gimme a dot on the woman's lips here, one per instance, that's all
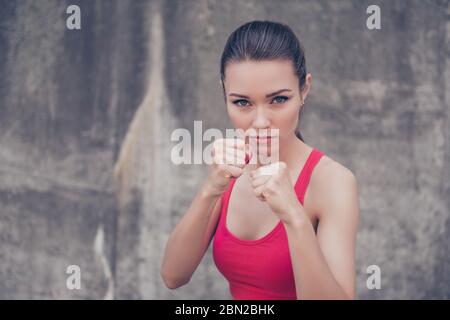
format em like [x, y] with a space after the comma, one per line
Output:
[264, 137]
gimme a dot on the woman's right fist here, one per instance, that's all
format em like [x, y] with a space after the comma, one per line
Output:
[229, 158]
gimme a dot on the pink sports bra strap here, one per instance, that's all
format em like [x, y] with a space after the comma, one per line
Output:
[305, 176]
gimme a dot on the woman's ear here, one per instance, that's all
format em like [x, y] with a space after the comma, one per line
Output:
[306, 87]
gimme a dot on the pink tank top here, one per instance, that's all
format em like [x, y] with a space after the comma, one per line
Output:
[259, 269]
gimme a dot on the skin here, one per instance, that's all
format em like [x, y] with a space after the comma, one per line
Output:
[321, 233]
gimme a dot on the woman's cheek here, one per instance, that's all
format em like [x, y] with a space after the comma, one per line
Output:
[239, 119]
[233, 116]
[288, 123]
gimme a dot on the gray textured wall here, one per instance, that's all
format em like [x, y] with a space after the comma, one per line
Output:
[86, 118]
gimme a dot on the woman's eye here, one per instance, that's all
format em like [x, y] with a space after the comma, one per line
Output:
[280, 99]
[241, 103]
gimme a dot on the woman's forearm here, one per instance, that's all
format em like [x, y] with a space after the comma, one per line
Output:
[313, 277]
[189, 240]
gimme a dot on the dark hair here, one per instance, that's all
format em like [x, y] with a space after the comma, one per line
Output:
[265, 40]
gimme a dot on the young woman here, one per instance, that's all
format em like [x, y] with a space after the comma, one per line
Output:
[290, 234]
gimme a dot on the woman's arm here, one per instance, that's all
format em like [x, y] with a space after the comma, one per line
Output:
[190, 239]
[324, 264]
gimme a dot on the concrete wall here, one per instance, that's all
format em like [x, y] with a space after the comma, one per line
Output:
[86, 118]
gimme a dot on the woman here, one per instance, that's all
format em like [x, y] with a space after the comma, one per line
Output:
[289, 234]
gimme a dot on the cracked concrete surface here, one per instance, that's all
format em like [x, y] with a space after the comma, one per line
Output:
[86, 118]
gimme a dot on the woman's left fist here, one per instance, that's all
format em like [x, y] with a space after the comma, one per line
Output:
[272, 184]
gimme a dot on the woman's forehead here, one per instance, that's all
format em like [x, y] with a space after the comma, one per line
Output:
[252, 77]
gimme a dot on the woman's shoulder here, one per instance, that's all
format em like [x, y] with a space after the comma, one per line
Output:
[332, 182]
[328, 170]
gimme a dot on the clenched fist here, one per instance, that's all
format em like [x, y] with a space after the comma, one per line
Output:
[272, 184]
[229, 158]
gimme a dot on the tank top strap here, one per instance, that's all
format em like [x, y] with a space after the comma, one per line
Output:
[224, 204]
[305, 175]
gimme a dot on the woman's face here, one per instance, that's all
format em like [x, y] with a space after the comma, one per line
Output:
[263, 95]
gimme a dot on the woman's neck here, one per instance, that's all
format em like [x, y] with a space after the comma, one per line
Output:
[293, 151]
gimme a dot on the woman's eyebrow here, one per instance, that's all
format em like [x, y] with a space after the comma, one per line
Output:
[276, 92]
[267, 95]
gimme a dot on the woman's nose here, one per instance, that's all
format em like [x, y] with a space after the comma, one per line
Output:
[261, 119]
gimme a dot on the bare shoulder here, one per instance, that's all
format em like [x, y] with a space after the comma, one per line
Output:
[329, 171]
[333, 185]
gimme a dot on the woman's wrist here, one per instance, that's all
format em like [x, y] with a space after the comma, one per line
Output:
[208, 191]
[296, 216]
